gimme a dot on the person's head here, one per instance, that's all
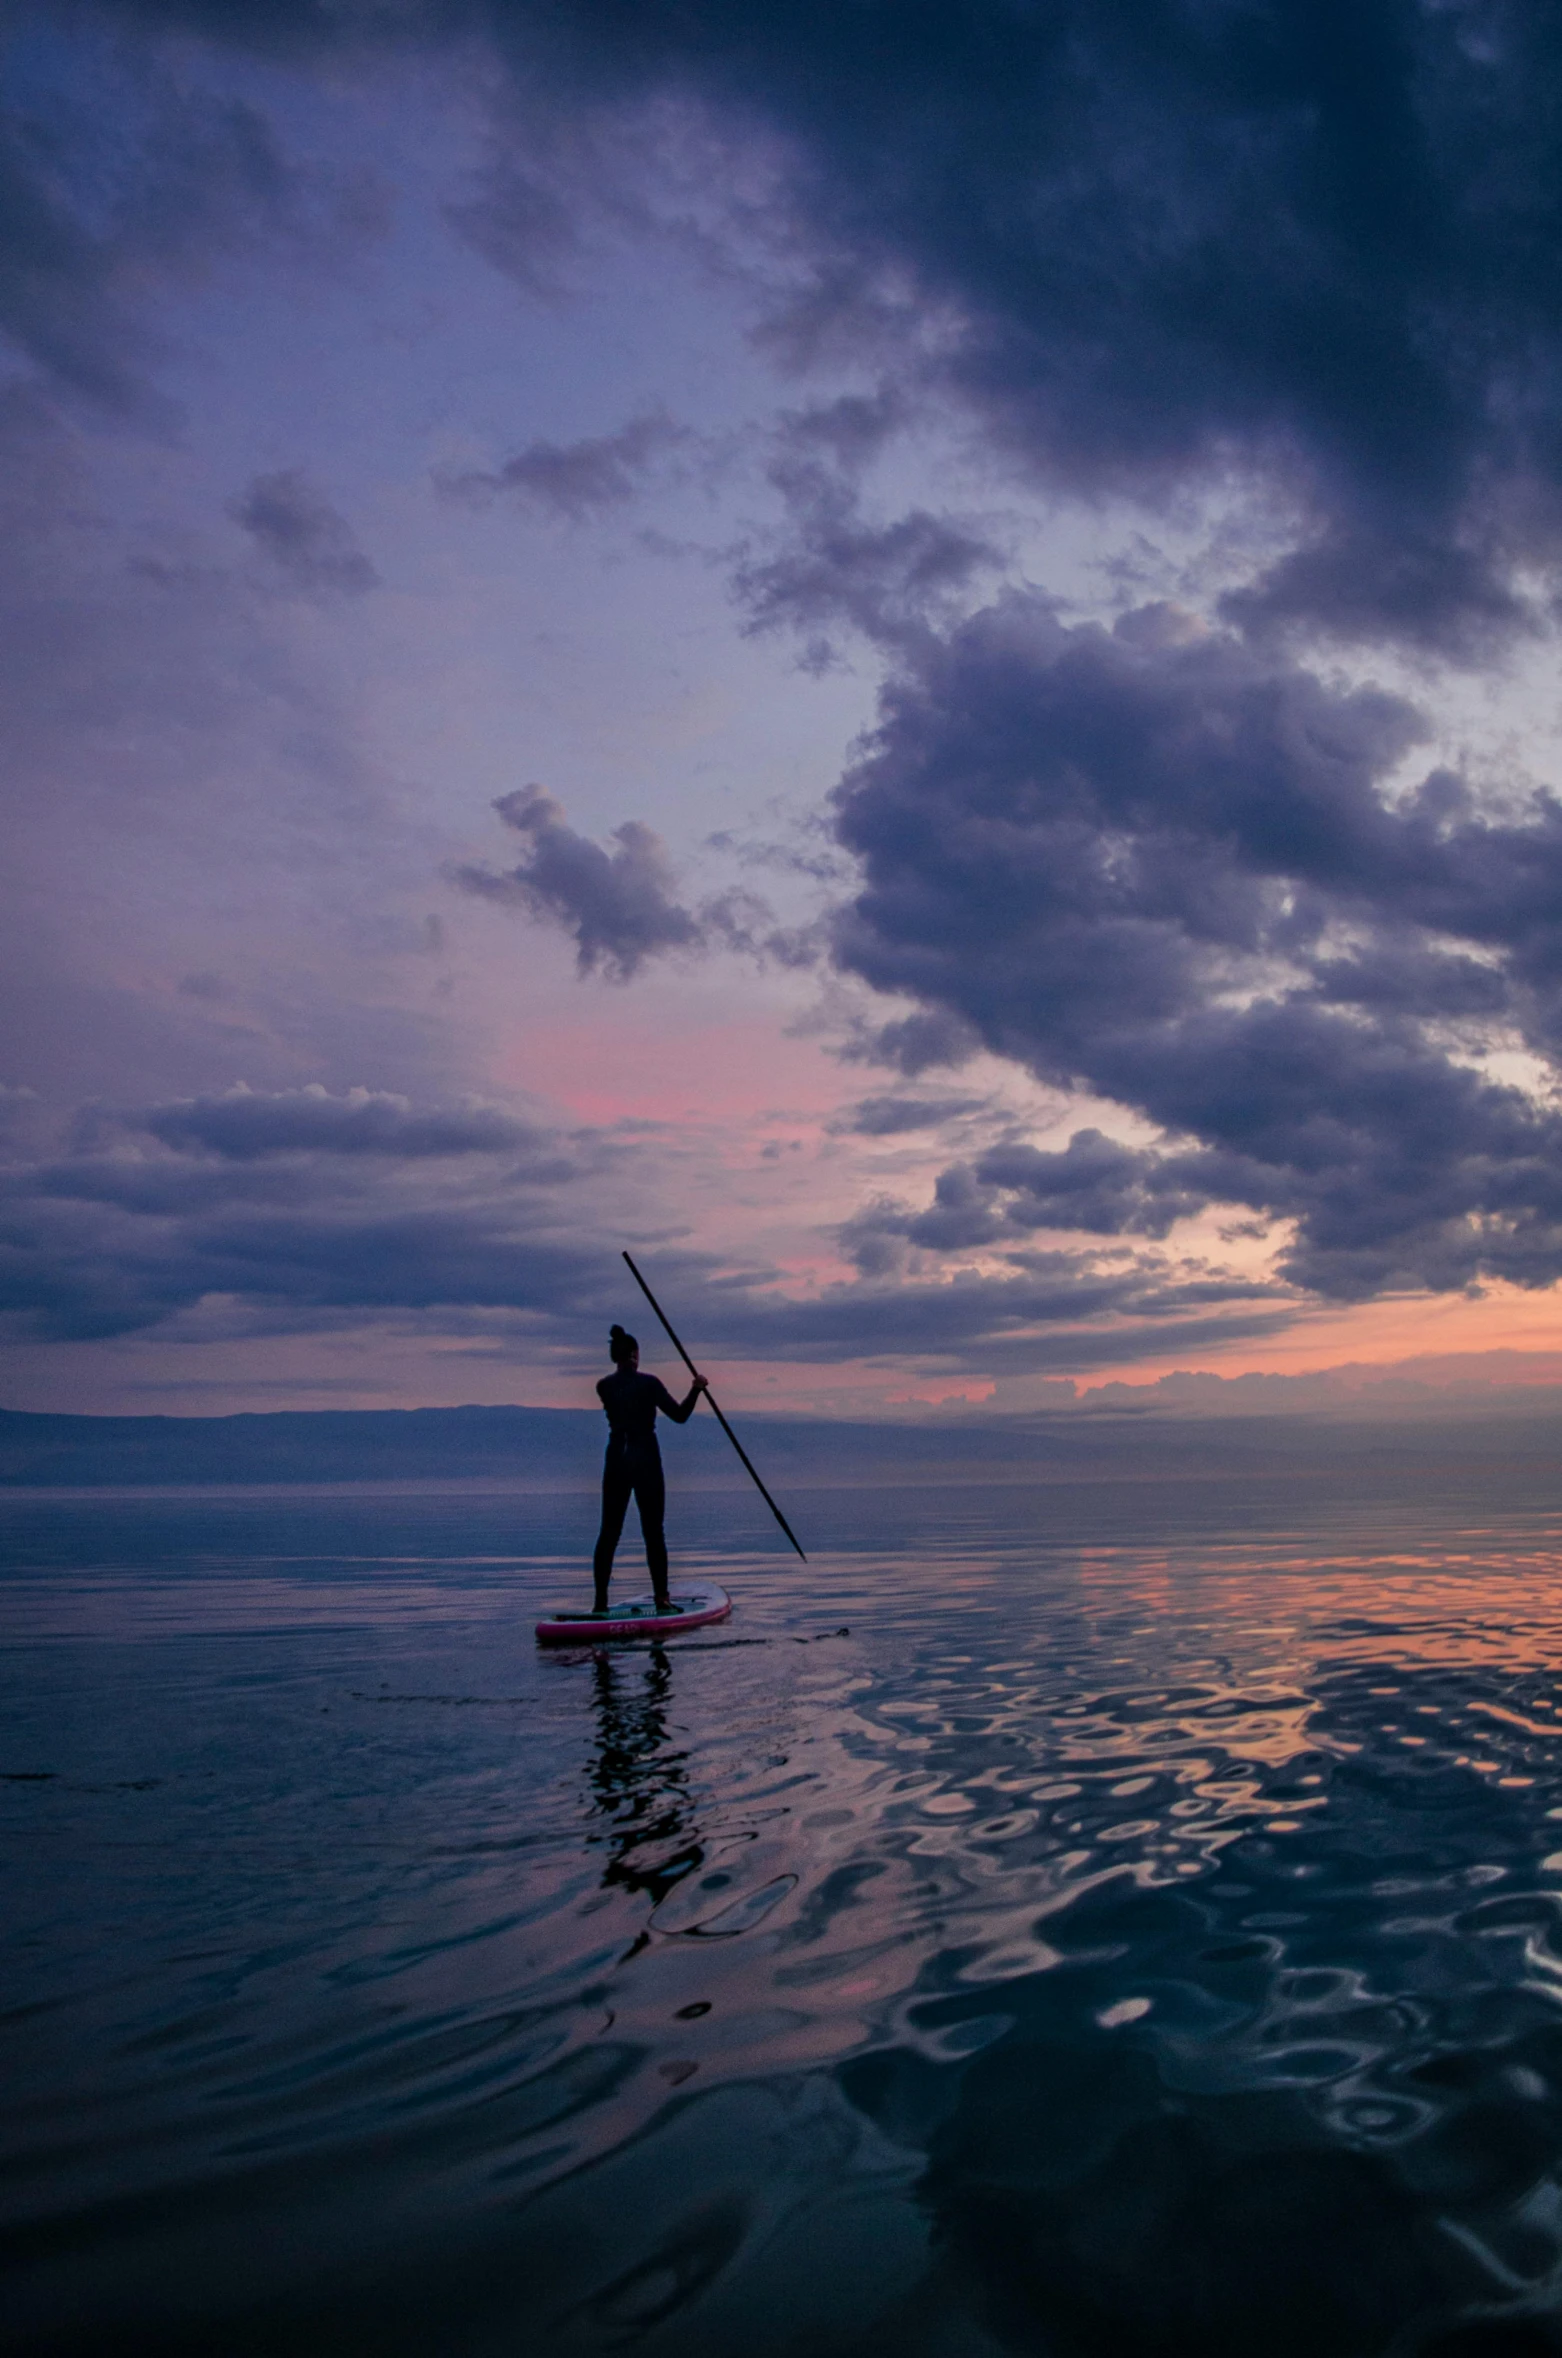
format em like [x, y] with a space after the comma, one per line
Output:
[623, 1349]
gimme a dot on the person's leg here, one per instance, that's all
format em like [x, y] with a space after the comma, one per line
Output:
[616, 1487]
[651, 1498]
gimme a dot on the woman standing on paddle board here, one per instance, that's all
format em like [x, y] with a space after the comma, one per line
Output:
[634, 1462]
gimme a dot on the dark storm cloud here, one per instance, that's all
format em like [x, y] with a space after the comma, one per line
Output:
[1148, 242]
[1393, 584]
[303, 534]
[577, 480]
[1312, 249]
[1159, 864]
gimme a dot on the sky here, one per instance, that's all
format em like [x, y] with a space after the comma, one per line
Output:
[901, 656]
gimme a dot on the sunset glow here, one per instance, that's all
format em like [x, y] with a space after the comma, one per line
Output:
[592, 660]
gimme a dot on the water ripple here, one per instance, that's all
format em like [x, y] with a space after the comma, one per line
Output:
[1122, 1950]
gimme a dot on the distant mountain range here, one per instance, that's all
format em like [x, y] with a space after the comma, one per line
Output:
[562, 1446]
[300, 1445]
[547, 1445]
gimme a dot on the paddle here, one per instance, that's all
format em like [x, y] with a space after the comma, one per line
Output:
[720, 1419]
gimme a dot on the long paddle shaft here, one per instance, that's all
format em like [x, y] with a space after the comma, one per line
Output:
[720, 1419]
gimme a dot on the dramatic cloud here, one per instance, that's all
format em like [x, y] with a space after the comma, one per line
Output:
[298, 1209]
[303, 534]
[1159, 865]
[1191, 242]
[1230, 244]
[1272, 288]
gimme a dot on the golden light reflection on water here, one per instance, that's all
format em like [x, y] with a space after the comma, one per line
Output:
[972, 1799]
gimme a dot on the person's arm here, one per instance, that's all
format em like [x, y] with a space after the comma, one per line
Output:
[679, 1410]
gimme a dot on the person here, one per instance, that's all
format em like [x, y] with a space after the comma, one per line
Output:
[633, 1466]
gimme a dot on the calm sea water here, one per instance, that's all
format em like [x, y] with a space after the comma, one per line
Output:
[1098, 1924]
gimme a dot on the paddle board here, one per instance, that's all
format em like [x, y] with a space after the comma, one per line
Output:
[694, 1603]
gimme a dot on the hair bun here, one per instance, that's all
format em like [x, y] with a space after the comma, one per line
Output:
[615, 1333]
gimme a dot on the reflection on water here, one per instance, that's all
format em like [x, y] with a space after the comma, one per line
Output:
[639, 1780]
[1091, 1950]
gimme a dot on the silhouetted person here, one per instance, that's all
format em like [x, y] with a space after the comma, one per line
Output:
[634, 1462]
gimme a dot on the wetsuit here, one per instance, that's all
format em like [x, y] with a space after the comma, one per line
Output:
[633, 1467]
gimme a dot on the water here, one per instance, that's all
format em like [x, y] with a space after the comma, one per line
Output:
[1067, 1922]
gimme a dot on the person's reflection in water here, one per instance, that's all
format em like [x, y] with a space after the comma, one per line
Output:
[640, 1786]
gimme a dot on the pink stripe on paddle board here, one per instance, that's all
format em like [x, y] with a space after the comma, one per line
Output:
[697, 1605]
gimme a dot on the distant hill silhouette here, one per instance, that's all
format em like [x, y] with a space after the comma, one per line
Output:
[301, 1445]
[553, 1445]
[563, 1447]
